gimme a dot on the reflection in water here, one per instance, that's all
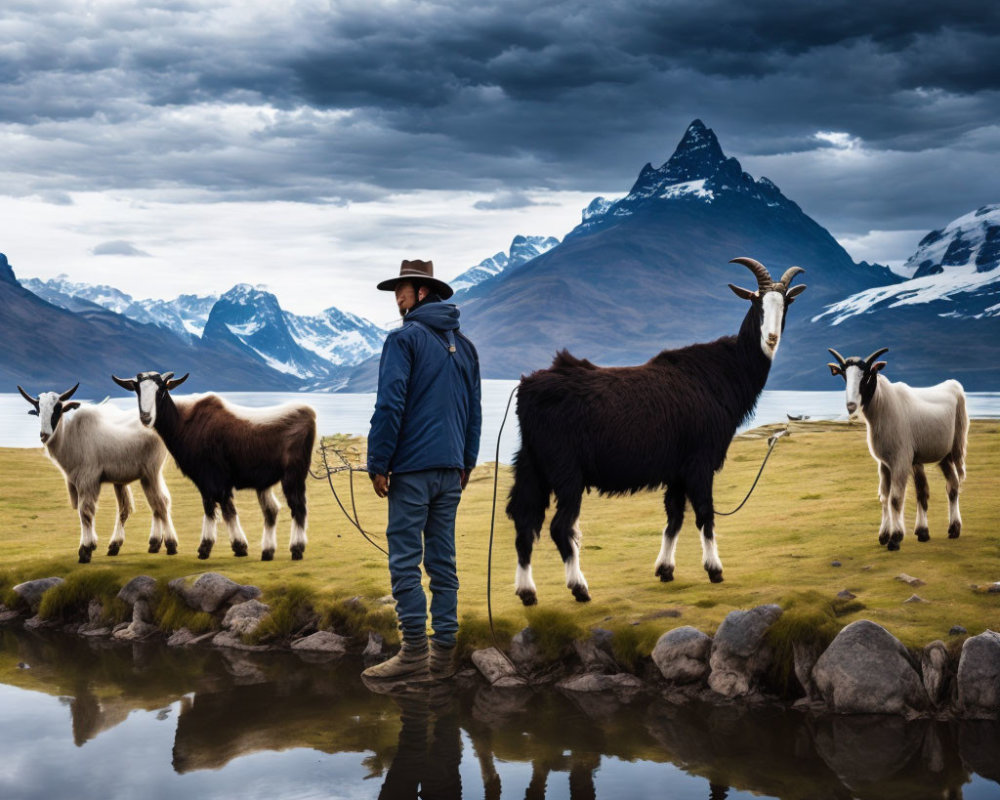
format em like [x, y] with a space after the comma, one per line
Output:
[225, 709]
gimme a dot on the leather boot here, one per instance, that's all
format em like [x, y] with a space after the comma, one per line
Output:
[442, 661]
[410, 663]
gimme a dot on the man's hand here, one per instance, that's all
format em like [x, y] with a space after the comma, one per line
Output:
[465, 473]
[381, 484]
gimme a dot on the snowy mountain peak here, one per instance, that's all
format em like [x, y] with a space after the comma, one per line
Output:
[522, 250]
[972, 239]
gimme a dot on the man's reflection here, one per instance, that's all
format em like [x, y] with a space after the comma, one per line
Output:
[429, 752]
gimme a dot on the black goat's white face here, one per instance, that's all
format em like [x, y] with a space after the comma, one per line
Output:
[49, 407]
[772, 322]
[772, 298]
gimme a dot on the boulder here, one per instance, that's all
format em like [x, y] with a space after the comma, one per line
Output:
[866, 670]
[244, 618]
[31, 591]
[979, 676]
[935, 670]
[142, 611]
[524, 651]
[493, 665]
[594, 653]
[740, 655]
[322, 642]
[209, 591]
[804, 658]
[233, 641]
[142, 587]
[137, 629]
[373, 650]
[590, 682]
[682, 655]
[95, 611]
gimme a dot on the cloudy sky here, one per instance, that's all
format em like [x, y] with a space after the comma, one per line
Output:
[184, 145]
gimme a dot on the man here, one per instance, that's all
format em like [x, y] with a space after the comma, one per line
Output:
[422, 447]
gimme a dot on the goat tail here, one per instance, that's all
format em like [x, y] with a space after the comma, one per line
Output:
[529, 496]
[961, 436]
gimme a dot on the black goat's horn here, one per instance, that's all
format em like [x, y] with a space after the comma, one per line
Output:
[758, 269]
[840, 359]
[790, 273]
[68, 394]
[871, 359]
[28, 397]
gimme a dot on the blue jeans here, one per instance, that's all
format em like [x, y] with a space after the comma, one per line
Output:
[422, 508]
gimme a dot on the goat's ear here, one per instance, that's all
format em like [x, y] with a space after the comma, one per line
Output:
[878, 366]
[835, 368]
[173, 384]
[746, 294]
[128, 385]
[70, 405]
[33, 412]
[794, 292]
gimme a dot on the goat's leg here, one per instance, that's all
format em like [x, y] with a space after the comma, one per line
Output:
[124, 497]
[897, 500]
[208, 526]
[923, 492]
[269, 508]
[237, 538]
[529, 497]
[294, 489]
[74, 496]
[700, 493]
[87, 509]
[162, 528]
[673, 502]
[954, 486]
[565, 532]
[884, 481]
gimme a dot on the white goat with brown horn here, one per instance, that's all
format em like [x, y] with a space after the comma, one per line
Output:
[907, 428]
[103, 444]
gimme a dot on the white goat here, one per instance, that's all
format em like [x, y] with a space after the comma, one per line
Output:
[907, 428]
[103, 444]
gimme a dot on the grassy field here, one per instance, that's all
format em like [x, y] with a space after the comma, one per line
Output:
[816, 505]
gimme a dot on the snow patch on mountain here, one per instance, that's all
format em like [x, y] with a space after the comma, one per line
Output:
[972, 238]
[696, 188]
[522, 250]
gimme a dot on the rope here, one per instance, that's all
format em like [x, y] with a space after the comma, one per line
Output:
[773, 439]
[329, 472]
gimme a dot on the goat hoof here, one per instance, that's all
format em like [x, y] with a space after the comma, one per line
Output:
[665, 573]
[581, 594]
[893, 544]
[883, 538]
[239, 549]
[528, 597]
[922, 534]
[114, 548]
[715, 575]
[84, 553]
[297, 552]
[204, 551]
[267, 555]
[954, 530]
[154, 547]
[171, 548]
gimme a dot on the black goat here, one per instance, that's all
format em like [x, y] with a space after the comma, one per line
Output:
[667, 422]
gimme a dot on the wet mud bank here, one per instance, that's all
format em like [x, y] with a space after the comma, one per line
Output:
[864, 670]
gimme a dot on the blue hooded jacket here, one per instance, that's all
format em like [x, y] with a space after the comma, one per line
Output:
[428, 410]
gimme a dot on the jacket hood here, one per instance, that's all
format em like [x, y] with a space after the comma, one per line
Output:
[440, 316]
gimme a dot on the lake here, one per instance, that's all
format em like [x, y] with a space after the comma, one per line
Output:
[350, 413]
[87, 718]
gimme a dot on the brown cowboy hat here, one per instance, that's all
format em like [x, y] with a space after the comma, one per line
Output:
[421, 273]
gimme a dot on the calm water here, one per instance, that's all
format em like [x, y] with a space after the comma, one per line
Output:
[89, 719]
[350, 413]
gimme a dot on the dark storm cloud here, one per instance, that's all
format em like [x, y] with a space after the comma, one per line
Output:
[369, 98]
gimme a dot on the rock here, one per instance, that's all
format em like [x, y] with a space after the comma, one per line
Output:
[244, 618]
[510, 682]
[909, 579]
[141, 611]
[180, 638]
[835, 564]
[36, 622]
[373, 650]
[234, 642]
[493, 665]
[956, 630]
[590, 682]
[31, 591]
[846, 595]
[86, 631]
[914, 598]
[865, 670]
[322, 642]
[934, 670]
[142, 587]
[209, 591]
[9, 615]
[682, 655]
[979, 676]
[804, 657]
[135, 630]
[594, 656]
[524, 651]
[740, 655]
